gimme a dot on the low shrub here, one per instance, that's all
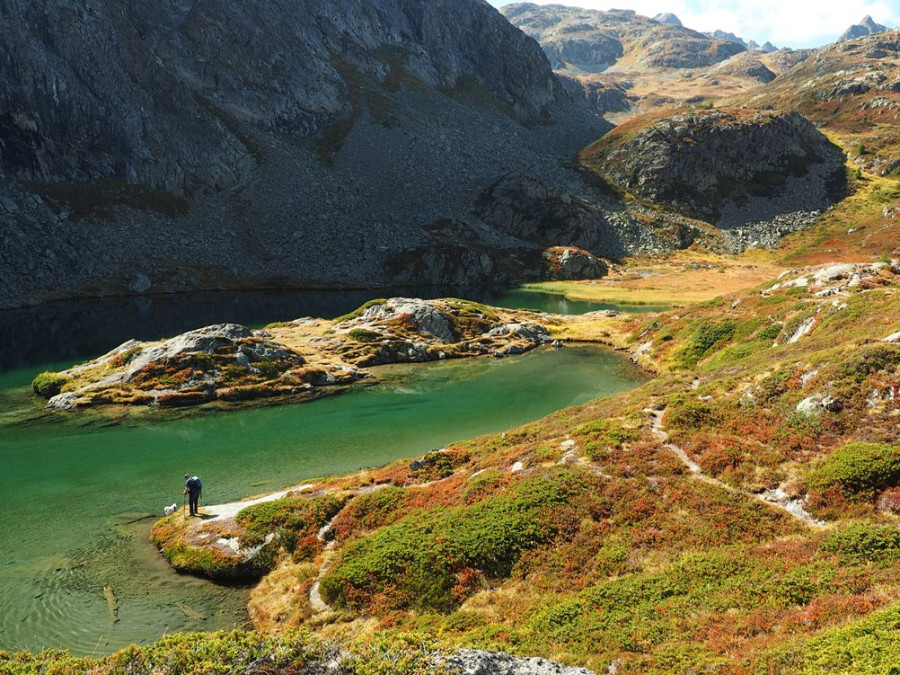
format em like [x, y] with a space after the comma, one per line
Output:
[363, 335]
[422, 560]
[705, 339]
[860, 469]
[863, 541]
[292, 519]
[49, 384]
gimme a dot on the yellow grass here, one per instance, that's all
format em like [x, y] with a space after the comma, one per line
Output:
[680, 279]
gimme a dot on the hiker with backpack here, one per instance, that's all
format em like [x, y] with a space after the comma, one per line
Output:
[193, 488]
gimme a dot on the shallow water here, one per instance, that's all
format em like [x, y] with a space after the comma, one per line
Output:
[70, 487]
[522, 298]
[77, 570]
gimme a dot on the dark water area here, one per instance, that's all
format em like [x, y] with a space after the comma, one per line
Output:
[81, 329]
[78, 330]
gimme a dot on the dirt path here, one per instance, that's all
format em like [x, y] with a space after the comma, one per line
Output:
[223, 511]
[777, 498]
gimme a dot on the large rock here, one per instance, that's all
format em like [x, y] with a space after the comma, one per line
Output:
[206, 340]
[567, 263]
[423, 317]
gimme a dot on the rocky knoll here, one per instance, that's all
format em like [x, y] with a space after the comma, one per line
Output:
[163, 146]
[298, 360]
[728, 167]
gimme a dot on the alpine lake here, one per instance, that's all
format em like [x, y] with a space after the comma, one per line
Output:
[81, 491]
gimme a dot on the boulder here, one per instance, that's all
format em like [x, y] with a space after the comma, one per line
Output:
[814, 405]
[569, 263]
[425, 318]
[201, 341]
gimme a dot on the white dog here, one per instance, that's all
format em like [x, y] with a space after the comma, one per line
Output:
[171, 509]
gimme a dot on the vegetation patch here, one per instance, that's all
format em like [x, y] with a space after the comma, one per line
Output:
[863, 541]
[706, 338]
[295, 521]
[859, 470]
[434, 559]
[49, 384]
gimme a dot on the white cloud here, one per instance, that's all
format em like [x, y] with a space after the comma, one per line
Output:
[786, 23]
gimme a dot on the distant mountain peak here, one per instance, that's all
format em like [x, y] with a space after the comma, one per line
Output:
[867, 26]
[668, 17]
[868, 22]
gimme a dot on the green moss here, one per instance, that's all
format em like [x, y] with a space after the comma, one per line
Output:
[218, 566]
[49, 384]
[859, 469]
[364, 335]
[359, 310]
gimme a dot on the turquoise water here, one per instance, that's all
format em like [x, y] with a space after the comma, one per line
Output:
[79, 493]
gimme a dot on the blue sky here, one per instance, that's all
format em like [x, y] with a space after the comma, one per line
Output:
[785, 23]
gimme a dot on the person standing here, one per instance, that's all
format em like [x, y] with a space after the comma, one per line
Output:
[193, 489]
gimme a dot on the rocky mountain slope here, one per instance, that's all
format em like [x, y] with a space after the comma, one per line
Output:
[172, 146]
[629, 63]
[589, 41]
[852, 91]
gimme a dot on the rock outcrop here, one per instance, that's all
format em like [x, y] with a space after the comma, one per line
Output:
[668, 17]
[478, 662]
[730, 168]
[176, 146]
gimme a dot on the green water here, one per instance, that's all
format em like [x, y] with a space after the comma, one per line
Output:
[539, 301]
[74, 491]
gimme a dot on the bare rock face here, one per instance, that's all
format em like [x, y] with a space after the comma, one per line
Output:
[727, 167]
[213, 145]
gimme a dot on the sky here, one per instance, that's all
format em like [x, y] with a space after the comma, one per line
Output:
[784, 23]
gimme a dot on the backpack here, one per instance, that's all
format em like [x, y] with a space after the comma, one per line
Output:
[195, 483]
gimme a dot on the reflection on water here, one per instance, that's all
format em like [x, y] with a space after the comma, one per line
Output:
[80, 329]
